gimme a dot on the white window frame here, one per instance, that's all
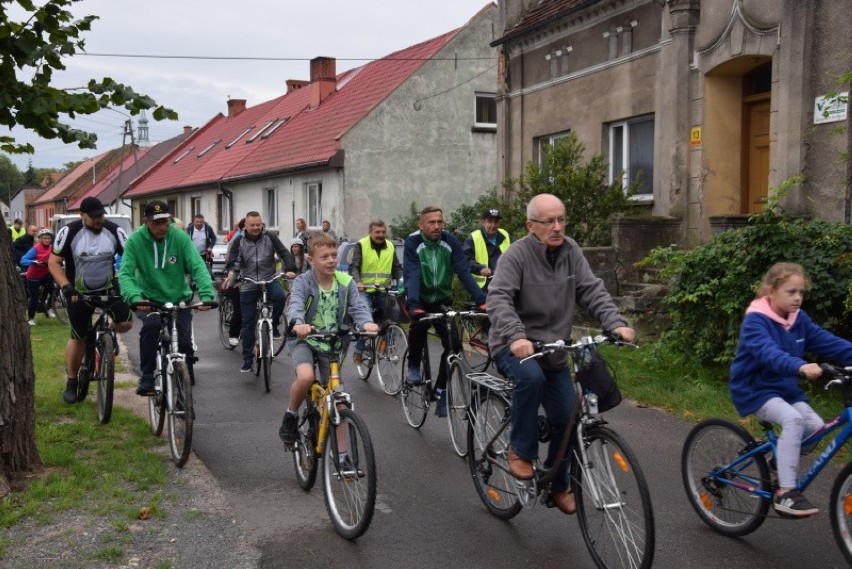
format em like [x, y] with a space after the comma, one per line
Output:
[225, 219]
[195, 206]
[624, 167]
[478, 120]
[270, 205]
[548, 140]
[313, 203]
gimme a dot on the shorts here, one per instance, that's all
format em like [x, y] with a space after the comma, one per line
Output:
[302, 353]
[80, 315]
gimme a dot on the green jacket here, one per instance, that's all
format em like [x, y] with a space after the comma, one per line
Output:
[157, 270]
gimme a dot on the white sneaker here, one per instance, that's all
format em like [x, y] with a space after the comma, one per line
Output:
[234, 341]
[51, 313]
[31, 322]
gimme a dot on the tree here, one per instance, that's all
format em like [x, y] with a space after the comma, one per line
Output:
[34, 48]
[11, 179]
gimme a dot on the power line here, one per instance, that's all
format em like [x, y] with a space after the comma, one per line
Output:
[257, 58]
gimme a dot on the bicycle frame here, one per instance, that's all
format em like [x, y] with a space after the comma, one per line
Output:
[168, 321]
[327, 398]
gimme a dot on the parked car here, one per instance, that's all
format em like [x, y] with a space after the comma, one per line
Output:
[61, 220]
[220, 254]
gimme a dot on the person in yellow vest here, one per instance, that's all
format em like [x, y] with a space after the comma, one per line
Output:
[17, 229]
[484, 247]
[374, 265]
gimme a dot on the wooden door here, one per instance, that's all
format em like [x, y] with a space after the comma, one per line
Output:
[755, 156]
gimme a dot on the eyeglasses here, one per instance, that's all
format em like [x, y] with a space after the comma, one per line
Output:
[550, 222]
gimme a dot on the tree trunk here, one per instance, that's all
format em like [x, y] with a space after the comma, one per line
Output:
[18, 452]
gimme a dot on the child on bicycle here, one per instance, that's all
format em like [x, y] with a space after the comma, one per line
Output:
[322, 299]
[774, 337]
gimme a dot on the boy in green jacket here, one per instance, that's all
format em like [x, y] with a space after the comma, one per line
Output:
[157, 258]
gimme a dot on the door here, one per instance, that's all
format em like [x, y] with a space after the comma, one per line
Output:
[756, 155]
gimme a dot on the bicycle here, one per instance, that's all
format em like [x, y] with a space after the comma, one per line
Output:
[387, 348]
[172, 396]
[474, 341]
[226, 312]
[330, 431]
[416, 399]
[50, 298]
[730, 477]
[613, 502]
[266, 345]
[99, 358]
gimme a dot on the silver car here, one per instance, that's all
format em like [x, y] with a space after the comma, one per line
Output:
[220, 255]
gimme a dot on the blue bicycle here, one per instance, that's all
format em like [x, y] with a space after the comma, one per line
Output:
[730, 477]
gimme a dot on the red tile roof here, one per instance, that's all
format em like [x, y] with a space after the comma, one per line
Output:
[56, 191]
[310, 136]
[546, 12]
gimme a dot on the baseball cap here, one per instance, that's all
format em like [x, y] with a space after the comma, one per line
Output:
[157, 210]
[491, 212]
[92, 206]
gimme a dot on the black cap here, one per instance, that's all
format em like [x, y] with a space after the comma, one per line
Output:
[491, 212]
[92, 206]
[157, 210]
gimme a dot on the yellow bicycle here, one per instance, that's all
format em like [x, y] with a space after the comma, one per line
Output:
[331, 432]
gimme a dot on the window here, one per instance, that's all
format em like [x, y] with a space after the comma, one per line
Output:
[196, 207]
[544, 142]
[183, 155]
[485, 111]
[313, 198]
[275, 127]
[209, 148]
[224, 220]
[239, 137]
[271, 207]
[631, 152]
[261, 131]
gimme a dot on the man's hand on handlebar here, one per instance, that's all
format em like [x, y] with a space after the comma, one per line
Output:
[371, 327]
[626, 333]
[522, 348]
[302, 330]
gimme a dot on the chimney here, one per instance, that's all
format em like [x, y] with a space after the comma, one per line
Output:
[235, 107]
[323, 79]
[187, 129]
[295, 85]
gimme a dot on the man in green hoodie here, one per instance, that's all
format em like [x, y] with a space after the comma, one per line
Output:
[157, 259]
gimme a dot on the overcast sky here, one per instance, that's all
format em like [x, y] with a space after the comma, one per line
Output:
[198, 89]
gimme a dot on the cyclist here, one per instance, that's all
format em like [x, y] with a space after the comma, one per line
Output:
[774, 337]
[431, 256]
[157, 259]
[203, 237]
[87, 248]
[17, 230]
[297, 249]
[24, 243]
[38, 274]
[543, 279]
[322, 299]
[484, 247]
[374, 264]
[252, 254]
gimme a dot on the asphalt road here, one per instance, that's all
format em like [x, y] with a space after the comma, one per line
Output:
[428, 513]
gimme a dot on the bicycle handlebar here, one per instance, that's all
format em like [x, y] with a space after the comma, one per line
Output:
[837, 375]
[170, 307]
[274, 278]
[449, 313]
[542, 349]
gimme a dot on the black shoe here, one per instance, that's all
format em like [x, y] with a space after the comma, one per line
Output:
[792, 503]
[70, 395]
[146, 387]
[287, 432]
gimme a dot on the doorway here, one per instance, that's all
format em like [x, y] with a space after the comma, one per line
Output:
[755, 160]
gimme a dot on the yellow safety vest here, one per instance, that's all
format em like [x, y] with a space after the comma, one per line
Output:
[376, 266]
[16, 233]
[480, 252]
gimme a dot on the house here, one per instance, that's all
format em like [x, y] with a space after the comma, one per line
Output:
[714, 102]
[418, 125]
[23, 198]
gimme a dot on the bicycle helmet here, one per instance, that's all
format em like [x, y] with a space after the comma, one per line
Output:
[43, 232]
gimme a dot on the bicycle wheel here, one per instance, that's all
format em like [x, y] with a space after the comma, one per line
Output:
[349, 476]
[157, 402]
[458, 401]
[226, 312]
[487, 457]
[265, 355]
[365, 368]
[841, 511]
[613, 502]
[390, 353]
[475, 344]
[105, 376]
[59, 305]
[415, 398]
[180, 414]
[305, 459]
[710, 446]
[83, 378]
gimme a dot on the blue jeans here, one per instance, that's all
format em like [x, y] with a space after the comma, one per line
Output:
[534, 387]
[248, 307]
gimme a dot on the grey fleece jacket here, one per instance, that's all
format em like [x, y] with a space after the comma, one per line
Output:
[529, 299]
[255, 258]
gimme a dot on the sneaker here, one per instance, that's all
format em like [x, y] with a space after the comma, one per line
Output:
[31, 322]
[233, 342]
[246, 368]
[348, 469]
[414, 376]
[70, 395]
[51, 313]
[287, 432]
[792, 503]
[146, 386]
[441, 407]
[357, 358]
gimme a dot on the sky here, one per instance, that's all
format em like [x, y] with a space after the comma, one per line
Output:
[353, 32]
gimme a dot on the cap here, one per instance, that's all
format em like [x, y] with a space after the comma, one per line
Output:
[92, 206]
[157, 210]
[44, 231]
[491, 212]
[297, 241]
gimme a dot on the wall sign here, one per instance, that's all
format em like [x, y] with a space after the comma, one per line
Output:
[695, 136]
[830, 109]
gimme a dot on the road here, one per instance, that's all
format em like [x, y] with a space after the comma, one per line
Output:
[428, 513]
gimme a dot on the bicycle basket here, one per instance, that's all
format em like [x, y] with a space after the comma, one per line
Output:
[595, 376]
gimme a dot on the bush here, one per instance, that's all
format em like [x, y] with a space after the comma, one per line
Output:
[712, 285]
